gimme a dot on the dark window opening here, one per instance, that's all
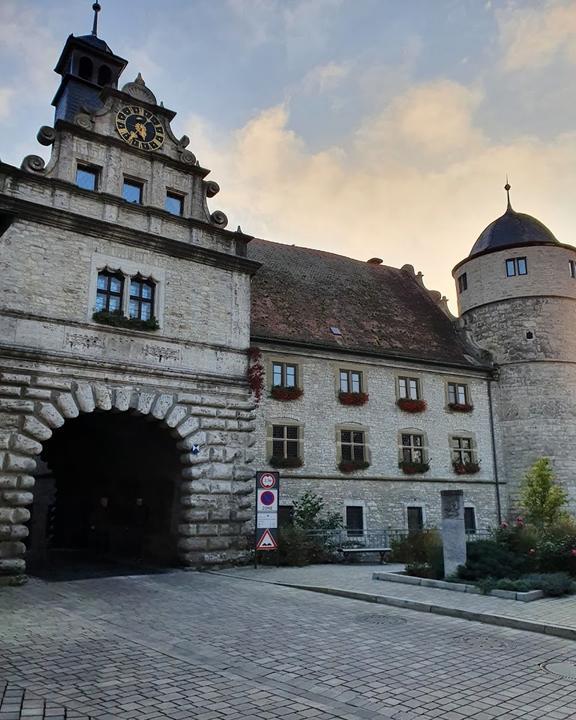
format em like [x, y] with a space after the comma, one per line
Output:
[109, 290]
[415, 516]
[285, 441]
[470, 520]
[174, 203]
[141, 298]
[85, 68]
[132, 191]
[104, 75]
[5, 221]
[87, 177]
[462, 450]
[412, 448]
[572, 267]
[354, 520]
[462, 283]
[352, 445]
[529, 335]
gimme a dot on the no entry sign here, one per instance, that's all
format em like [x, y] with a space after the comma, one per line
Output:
[267, 500]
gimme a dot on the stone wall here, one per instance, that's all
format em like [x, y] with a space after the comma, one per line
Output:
[215, 492]
[383, 487]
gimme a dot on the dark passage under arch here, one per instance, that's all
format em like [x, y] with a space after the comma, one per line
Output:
[106, 490]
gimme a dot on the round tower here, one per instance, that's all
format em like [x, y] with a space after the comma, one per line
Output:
[517, 300]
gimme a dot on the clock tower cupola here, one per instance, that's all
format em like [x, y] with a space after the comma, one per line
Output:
[87, 65]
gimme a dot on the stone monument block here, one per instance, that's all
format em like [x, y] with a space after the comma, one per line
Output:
[453, 531]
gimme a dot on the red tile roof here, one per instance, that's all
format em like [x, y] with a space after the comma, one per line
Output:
[300, 293]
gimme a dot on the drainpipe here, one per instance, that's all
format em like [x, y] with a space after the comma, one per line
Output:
[494, 457]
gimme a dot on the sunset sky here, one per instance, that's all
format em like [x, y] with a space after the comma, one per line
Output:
[364, 127]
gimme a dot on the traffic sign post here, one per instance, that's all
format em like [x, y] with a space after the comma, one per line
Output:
[267, 503]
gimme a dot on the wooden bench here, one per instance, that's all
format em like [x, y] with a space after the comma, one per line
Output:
[382, 551]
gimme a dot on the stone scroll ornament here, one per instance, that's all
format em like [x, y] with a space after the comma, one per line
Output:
[46, 135]
[33, 163]
[219, 218]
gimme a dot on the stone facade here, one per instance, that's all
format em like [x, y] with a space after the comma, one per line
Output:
[381, 489]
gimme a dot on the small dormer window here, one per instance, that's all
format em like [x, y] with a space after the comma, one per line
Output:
[516, 266]
[85, 68]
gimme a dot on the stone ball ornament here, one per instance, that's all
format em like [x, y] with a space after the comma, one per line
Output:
[46, 135]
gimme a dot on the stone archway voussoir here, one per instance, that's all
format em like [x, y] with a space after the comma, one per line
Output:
[85, 397]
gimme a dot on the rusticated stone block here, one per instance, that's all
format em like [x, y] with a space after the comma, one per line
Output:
[8, 482]
[102, 397]
[122, 398]
[144, 402]
[208, 529]
[195, 472]
[14, 515]
[85, 398]
[221, 471]
[20, 463]
[33, 427]
[17, 498]
[67, 406]
[196, 438]
[189, 426]
[50, 415]
[161, 406]
[12, 566]
[218, 543]
[215, 402]
[212, 424]
[26, 482]
[16, 406]
[15, 379]
[242, 472]
[176, 415]
[194, 515]
[13, 532]
[189, 399]
[9, 391]
[12, 549]
[25, 445]
[54, 383]
[198, 459]
[37, 393]
[193, 543]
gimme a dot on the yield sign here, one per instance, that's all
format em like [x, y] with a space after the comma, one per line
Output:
[266, 542]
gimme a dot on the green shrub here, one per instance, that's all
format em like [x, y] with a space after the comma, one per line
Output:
[513, 585]
[415, 547]
[491, 559]
[297, 547]
[552, 584]
[542, 498]
[423, 570]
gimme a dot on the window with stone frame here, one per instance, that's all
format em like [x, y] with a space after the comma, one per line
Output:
[408, 388]
[141, 301]
[133, 191]
[109, 291]
[516, 266]
[351, 381]
[284, 375]
[412, 448]
[458, 394]
[355, 520]
[174, 203]
[463, 451]
[285, 441]
[353, 446]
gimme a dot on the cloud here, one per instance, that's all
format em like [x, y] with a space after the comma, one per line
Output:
[323, 78]
[533, 37]
[5, 101]
[352, 199]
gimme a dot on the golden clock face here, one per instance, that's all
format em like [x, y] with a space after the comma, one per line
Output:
[140, 128]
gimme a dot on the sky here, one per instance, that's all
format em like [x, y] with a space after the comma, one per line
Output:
[363, 127]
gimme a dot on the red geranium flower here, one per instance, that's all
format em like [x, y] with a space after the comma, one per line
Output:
[573, 552]
[504, 525]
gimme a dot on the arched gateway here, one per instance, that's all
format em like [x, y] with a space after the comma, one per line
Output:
[123, 472]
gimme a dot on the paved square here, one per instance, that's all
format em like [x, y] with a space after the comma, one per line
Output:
[194, 645]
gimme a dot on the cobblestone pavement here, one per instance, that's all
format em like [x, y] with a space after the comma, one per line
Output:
[557, 611]
[211, 647]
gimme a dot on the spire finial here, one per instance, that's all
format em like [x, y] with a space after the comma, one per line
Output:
[96, 7]
[507, 188]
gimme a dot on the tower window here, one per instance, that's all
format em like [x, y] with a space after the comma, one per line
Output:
[462, 282]
[516, 266]
[572, 267]
[109, 291]
[85, 68]
[174, 203]
[104, 75]
[470, 520]
[141, 298]
[132, 191]
[87, 177]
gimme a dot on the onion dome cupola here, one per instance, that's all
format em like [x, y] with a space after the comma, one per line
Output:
[513, 229]
[87, 64]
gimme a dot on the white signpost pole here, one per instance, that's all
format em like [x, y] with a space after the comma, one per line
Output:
[267, 503]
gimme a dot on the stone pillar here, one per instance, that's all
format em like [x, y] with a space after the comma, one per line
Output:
[453, 531]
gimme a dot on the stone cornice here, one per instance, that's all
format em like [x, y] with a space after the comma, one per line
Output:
[286, 344]
[83, 225]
